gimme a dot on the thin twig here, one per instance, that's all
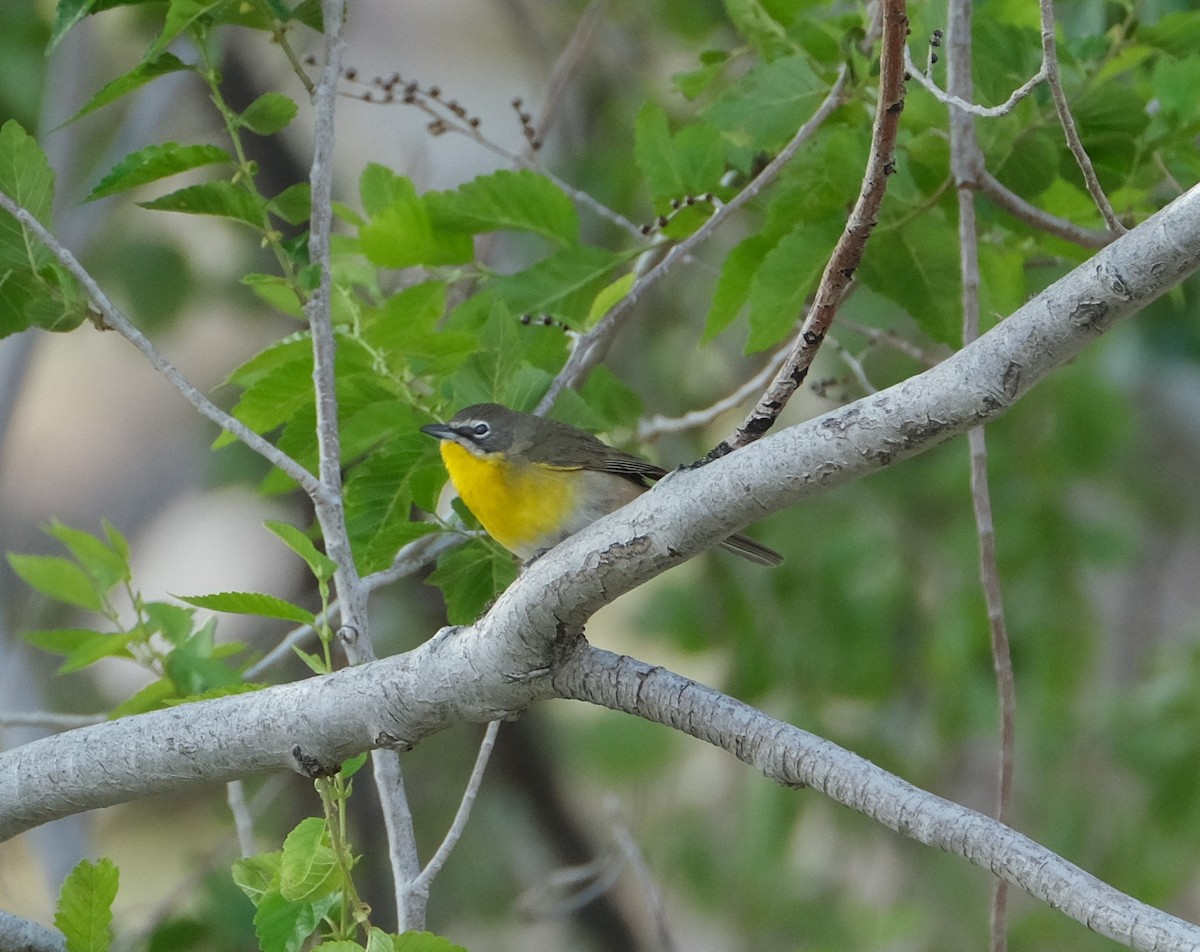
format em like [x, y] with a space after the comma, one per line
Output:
[964, 159]
[1050, 61]
[243, 823]
[659, 426]
[115, 319]
[454, 834]
[567, 63]
[49, 719]
[1007, 200]
[884, 338]
[847, 254]
[593, 346]
[647, 887]
[984, 112]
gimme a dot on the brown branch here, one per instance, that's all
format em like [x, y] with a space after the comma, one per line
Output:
[848, 252]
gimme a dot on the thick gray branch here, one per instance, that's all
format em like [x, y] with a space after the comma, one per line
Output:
[793, 757]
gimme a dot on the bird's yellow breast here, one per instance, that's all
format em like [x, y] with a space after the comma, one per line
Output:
[524, 506]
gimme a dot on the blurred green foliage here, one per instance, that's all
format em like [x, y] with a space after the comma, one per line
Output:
[873, 632]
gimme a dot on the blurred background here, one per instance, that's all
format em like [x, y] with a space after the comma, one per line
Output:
[595, 831]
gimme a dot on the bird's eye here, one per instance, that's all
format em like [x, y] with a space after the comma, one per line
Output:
[481, 429]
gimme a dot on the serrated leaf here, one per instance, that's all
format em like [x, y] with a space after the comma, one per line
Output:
[425, 942]
[173, 622]
[150, 698]
[100, 645]
[733, 285]
[61, 641]
[293, 204]
[250, 603]
[787, 275]
[308, 866]
[256, 875]
[222, 199]
[270, 113]
[322, 566]
[271, 399]
[380, 941]
[917, 268]
[242, 687]
[506, 201]
[147, 71]
[84, 912]
[470, 577]
[764, 108]
[26, 178]
[401, 234]
[103, 563]
[156, 162]
[563, 285]
[57, 578]
[283, 926]
[68, 14]
[687, 163]
[181, 14]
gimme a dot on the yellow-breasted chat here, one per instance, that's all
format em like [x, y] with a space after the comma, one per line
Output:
[532, 482]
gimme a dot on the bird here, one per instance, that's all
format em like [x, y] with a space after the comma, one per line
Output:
[532, 482]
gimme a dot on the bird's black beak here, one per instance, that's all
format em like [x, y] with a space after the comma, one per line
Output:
[439, 431]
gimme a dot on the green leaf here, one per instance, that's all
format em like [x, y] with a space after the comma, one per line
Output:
[1176, 33]
[563, 285]
[688, 163]
[608, 298]
[380, 941]
[764, 108]
[139, 76]
[401, 234]
[339, 945]
[103, 563]
[470, 577]
[283, 926]
[26, 178]
[917, 268]
[156, 162]
[425, 942]
[181, 14]
[256, 875]
[84, 911]
[322, 566]
[379, 187]
[57, 578]
[274, 397]
[293, 204]
[69, 13]
[506, 201]
[269, 113]
[783, 281]
[733, 286]
[150, 698]
[250, 603]
[101, 645]
[173, 622]
[223, 199]
[61, 641]
[1175, 82]
[309, 866]
[380, 493]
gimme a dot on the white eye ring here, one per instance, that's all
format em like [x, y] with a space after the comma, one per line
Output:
[481, 429]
